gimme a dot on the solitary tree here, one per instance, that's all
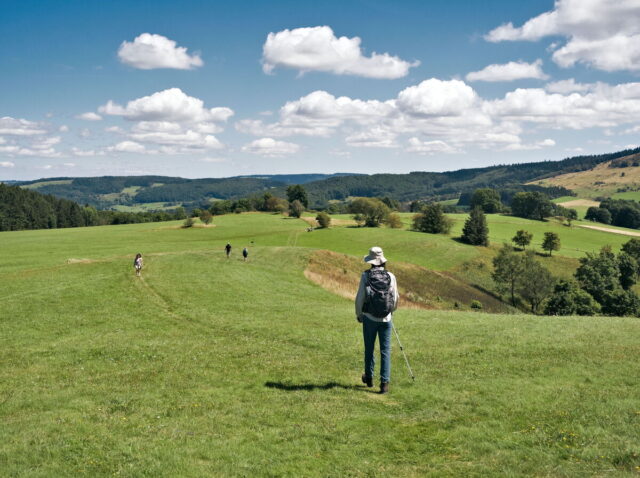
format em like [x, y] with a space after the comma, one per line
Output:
[571, 215]
[432, 220]
[536, 282]
[551, 242]
[297, 192]
[475, 230]
[206, 217]
[372, 211]
[296, 209]
[522, 238]
[508, 268]
[323, 220]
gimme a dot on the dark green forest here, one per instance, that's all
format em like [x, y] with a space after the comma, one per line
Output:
[24, 209]
[105, 192]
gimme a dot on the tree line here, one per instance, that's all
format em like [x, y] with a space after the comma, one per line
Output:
[617, 212]
[428, 186]
[22, 209]
[602, 283]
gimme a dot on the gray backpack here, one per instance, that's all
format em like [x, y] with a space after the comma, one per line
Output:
[378, 300]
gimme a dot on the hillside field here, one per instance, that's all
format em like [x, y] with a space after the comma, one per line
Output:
[602, 180]
[207, 366]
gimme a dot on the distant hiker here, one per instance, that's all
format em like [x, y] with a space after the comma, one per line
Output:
[376, 300]
[137, 263]
[245, 254]
[227, 249]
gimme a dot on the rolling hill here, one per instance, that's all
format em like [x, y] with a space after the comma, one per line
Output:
[617, 178]
[169, 192]
[207, 366]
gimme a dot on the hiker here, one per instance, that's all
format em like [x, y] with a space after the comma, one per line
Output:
[245, 254]
[137, 263]
[376, 300]
[227, 249]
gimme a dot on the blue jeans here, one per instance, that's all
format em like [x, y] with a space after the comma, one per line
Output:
[371, 328]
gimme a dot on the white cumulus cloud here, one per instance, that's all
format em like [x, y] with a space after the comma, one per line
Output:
[318, 49]
[127, 147]
[514, 70]
[604, 34]
[569, 86]
[435, 97]
[6, 164]
[150, 51]
[428, 147]
[20, 127]
[90, 116]
[179, 123]
[171, 105]
[270, 147]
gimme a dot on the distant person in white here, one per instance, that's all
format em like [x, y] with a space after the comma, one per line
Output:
[376, 300]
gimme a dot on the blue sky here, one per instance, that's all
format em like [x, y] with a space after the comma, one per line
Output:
[211, 89]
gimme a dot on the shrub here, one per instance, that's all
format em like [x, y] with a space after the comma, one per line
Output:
[323, 220]
[394, 221]
[296, 208]
[568, 299]
[373, 211]
[188, 222]
[431, 219]
[476, 304]
[206, 217]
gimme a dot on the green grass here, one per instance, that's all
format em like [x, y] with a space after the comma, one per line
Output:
[214, 367]
[575, 240]
[564, 199]
[633, 195]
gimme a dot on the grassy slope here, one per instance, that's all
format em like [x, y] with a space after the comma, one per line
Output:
[601, 181]
[219, 367]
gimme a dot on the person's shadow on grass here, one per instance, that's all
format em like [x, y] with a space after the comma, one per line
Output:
[290, 387]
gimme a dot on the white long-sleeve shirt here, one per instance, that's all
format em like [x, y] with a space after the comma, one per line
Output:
[360, 296]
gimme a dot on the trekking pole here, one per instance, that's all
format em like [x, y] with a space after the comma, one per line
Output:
[403, 354]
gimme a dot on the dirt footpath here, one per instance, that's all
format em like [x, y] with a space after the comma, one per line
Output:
[615, 231]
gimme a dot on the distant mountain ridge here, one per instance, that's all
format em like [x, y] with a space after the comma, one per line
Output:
[164, 191]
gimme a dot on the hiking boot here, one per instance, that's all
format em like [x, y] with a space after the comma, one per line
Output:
[384, 387]
[367, 380]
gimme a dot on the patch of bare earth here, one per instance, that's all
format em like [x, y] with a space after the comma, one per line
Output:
[420, 288]
[615, 231]
[79, 261]
[580, 202]
[334, 222]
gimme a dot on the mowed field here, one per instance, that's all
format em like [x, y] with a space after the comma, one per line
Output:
[207, 366]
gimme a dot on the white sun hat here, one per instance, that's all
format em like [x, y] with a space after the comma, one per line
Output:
[375, 257]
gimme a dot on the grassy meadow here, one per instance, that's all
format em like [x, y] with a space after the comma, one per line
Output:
[208, 366]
